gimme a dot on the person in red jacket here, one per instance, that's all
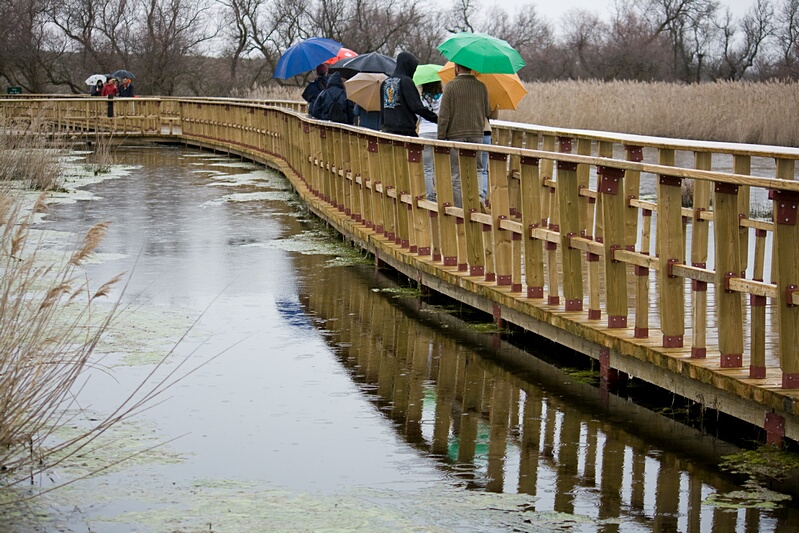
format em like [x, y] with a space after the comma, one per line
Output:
[110, 88]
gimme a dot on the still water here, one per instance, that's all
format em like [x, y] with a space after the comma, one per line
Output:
[316, 393]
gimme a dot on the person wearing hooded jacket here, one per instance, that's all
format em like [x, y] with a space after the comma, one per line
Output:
[322, 106]
[399, 99]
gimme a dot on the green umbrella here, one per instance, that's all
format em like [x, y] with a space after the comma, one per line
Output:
[481, 52]
[426, 74]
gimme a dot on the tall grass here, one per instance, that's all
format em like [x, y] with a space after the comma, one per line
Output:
[28, 155]
[48, 330]
[742, 112]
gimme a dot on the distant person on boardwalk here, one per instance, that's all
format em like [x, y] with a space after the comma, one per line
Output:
[332, 104]
[97, 89]
[110, 88]
[317, 86]
[462, 117]
[431, 99]
[126, 88]
[399, 99]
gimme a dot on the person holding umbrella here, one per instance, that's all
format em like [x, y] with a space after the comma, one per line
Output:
[316, 86]
[462, 118]
[399, 100]
[126, 88]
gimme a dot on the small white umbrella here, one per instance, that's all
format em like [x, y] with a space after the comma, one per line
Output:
[364, 89]
[94, 78]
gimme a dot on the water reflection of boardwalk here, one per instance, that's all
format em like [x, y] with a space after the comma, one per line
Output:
[504, 422]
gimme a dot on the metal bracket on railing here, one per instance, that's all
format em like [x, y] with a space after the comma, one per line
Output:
[670, 267]
[612, 249]
[786, 204]
[789, 290]
[672, 181]
[634, 153]
[725, 188]
[727, 277]
[698, 214]
[610, 179]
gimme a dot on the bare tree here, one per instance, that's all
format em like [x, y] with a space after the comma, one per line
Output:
[786, 32]
[756, 27]
[173, 31]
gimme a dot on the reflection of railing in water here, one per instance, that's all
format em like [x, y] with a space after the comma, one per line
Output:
[552, 256]
[498, 431]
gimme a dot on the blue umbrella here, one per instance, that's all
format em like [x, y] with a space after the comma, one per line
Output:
[305, 56]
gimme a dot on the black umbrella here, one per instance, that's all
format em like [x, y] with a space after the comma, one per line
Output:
[120, 74]
[371, 62]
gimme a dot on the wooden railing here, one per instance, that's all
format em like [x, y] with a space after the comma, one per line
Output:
[585, 231]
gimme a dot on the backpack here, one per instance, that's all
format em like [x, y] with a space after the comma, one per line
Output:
[337, 112]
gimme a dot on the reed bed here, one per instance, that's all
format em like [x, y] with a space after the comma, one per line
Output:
[28, 155]
[742, 112]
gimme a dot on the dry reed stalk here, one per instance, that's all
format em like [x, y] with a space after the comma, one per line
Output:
[743, 112]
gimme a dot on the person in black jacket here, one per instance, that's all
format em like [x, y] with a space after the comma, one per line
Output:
[126, 88]
[399, 99]
[332, 103]
[317, 86]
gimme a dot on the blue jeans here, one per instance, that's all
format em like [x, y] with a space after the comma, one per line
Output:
[484, 174]
[429, 167]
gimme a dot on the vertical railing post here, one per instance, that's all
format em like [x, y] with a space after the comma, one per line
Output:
[419, 217]
[785, 259]
[444, 197]
[386, 177]
[699, 246]
[569, 211]
[498, 193]
[467, 159]
[375, 198]
[670, 249]
[515, 208]
[611, 188]
[355, 173]
[405, 234]
[531, 219]
[728, 265]
[742, 164]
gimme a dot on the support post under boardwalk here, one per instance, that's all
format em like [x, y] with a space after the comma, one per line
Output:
[699, 247]
[445, 198]
[569, 209]
[498, 193]
[467, 159]
[671, 251]
[611, 188]
[728, 265]
[419, 216]
[785, 259]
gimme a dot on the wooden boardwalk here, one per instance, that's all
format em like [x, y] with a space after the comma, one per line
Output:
[586, 239]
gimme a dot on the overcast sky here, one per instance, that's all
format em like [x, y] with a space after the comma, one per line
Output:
[553, 10]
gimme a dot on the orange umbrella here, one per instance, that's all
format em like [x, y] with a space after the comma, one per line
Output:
[505, 91]
[344, 53]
